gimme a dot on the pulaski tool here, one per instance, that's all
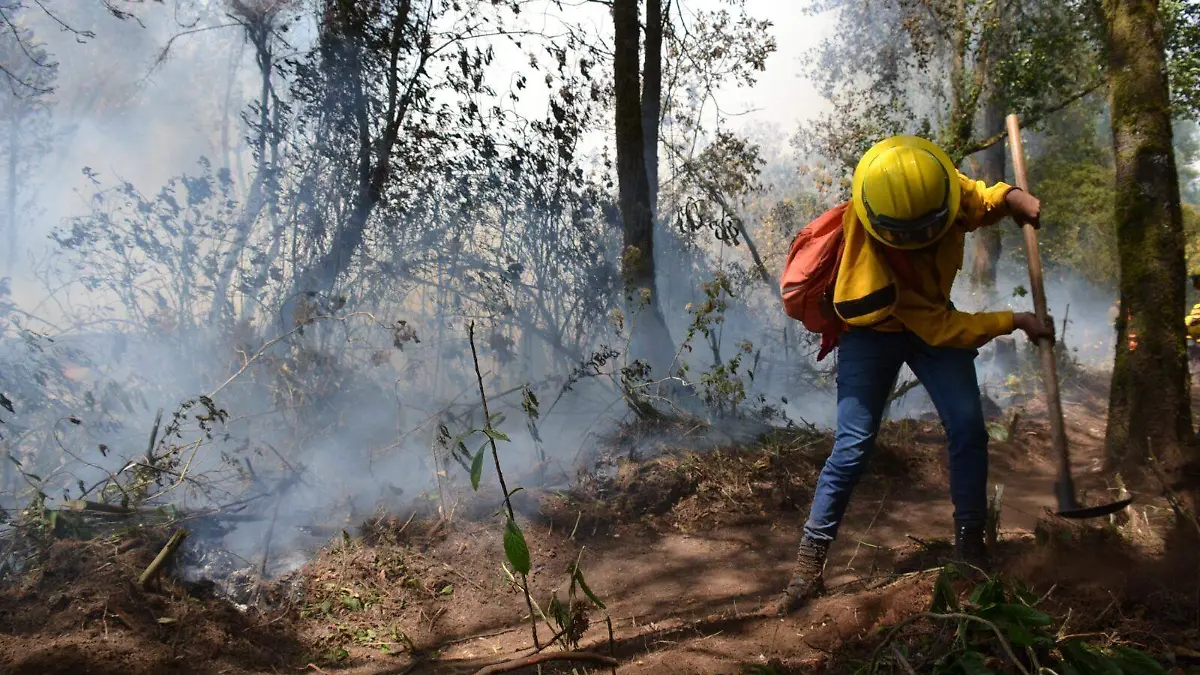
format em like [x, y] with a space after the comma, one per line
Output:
[1064, 486]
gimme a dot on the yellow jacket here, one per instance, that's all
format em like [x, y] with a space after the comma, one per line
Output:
[870, 294]
[1192, 321]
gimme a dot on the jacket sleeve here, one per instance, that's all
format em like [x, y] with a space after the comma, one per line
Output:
[940, 326]
[981, 205]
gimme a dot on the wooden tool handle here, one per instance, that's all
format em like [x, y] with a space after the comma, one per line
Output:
[1058, 435]
[1031, 243]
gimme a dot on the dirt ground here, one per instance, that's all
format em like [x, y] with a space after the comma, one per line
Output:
[683, 550]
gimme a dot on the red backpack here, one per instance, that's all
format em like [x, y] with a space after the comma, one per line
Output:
[809, 275]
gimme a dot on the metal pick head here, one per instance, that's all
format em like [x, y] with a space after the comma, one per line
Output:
[1084, 512]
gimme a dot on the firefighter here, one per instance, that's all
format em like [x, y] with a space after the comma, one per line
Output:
[1192, 321]
[904, 239]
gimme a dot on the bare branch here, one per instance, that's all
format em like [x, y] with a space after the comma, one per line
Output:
[79, 34]
[1031, 118]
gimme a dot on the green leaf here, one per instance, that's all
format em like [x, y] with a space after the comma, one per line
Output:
[944, 599]
[496, 419]
[972, 664]
[578, 576]
[477, 469]
[1136, 662]
[1086, 660]
[447, 590]
[987, 593]
[529, 403]
[515, 548]
[1021, 614]
[352, 603]
[1018, 635]
[495, 435]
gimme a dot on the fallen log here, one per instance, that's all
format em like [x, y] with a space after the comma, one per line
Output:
[163, 556]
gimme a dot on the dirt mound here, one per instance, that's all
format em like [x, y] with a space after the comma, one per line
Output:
[687, 489]
[81, 611]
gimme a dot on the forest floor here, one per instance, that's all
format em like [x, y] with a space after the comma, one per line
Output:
[683, 549]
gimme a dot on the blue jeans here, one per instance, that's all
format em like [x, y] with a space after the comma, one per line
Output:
[868, 363]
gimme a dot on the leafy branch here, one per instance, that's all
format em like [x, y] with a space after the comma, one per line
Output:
[572, 618]
[1023, 635]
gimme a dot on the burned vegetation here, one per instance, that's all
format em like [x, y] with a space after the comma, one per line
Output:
[433, 336]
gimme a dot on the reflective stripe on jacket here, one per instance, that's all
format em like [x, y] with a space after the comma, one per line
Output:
[869, 293]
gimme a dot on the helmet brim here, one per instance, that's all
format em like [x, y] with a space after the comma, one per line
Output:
[916, 142]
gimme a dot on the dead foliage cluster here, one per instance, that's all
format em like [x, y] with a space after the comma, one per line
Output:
[359, 594]
[688, 488]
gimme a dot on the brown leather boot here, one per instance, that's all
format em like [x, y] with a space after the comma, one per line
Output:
[807, 582]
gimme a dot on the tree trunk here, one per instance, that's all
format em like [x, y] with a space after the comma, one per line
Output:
[991, 170]
[649, 339]
[652, 96]
[345, 44]
[222, 293]
[1149, 399]
[14, 155]
[962, 114]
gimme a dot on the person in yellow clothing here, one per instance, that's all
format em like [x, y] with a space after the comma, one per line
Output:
[904, 240]
[1192, 321]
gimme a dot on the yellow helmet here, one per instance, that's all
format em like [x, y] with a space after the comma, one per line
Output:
[905, 192]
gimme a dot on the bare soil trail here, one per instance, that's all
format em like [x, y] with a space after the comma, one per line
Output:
[683, 549]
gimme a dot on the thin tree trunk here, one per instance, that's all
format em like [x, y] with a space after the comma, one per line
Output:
[991, 170]
[346, 41]
[1149, 399]
[962, 115]
[649, 339]
[226, 107]
[223, 294]
[14, 153]
[652, 96]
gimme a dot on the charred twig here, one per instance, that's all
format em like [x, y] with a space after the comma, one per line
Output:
[902, 661]
[163, 556]
[882, 501]
[612, 643]
[153, 437]
[99, 507]
[1180, 511]
[903, 389]
[478, 636]
[924, 544]
[285, 484]
[526, 661]
[464, 577]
